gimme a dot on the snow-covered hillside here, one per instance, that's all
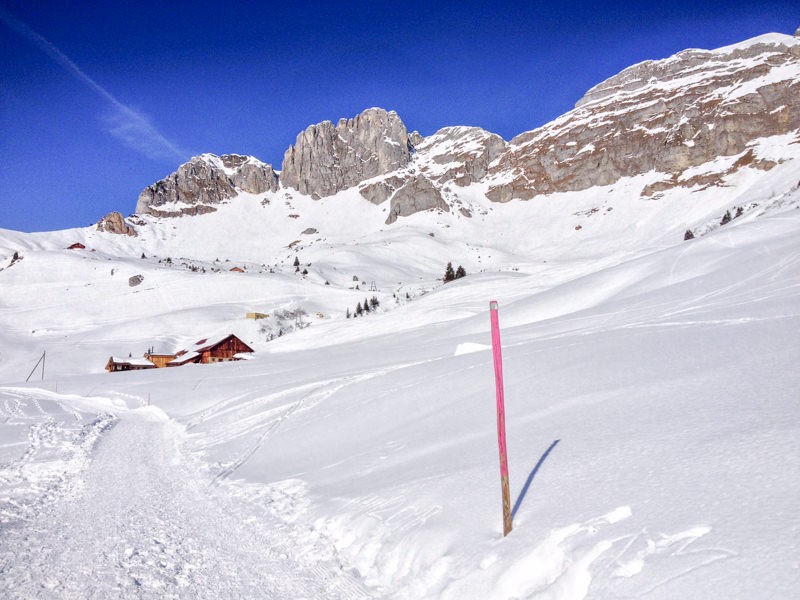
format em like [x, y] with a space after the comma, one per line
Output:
[653, 394]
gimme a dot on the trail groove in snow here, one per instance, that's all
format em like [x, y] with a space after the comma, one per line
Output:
[148, 525]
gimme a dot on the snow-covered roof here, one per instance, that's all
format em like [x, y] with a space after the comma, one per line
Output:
[135, 362]
[184, 358]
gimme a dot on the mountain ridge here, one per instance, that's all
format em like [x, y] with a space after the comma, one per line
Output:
[664, 115]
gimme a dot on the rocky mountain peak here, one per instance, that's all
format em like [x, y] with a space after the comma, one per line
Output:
[664, 116]
[328, 158]
[204, 181]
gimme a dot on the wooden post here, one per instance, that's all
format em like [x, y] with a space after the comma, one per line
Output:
[501, 416]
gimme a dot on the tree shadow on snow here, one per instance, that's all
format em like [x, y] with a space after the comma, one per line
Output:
[528, 482]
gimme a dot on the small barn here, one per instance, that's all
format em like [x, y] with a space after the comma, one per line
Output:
[115, 364]
[212, 350]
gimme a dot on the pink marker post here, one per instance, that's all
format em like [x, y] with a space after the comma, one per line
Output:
[501, 416]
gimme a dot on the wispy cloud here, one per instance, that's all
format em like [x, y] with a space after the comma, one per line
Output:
[126, 124]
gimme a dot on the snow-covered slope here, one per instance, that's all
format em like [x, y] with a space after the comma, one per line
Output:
[652, 423]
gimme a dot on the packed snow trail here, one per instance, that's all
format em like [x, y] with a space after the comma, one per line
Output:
[146, 525]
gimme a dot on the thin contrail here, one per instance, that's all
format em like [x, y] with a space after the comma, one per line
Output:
[132, 128]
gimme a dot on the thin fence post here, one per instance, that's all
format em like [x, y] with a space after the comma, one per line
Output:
[501, 416]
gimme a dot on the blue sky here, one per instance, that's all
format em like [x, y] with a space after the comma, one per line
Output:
[99, 100]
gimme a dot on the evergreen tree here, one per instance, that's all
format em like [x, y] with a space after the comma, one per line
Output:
[374, 303]
[359, 309]
[296, 261]
[726, 218]
[688, 235]
[460, 272]
[348, 312]
[449, 274]
[366, 305]
[739, 212]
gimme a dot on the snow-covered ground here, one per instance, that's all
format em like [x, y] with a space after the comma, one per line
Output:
[651, 397]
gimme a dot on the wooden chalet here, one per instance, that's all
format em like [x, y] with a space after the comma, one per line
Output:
[159, 360]
[128, 364]
[210, 350]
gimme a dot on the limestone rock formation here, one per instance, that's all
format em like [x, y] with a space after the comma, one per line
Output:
[380, 191]
[114, 222]
[663, 116]
[460, 154]
[415, 195]
[326, 159]
[204, 181]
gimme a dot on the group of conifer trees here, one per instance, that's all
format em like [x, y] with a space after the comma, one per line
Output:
[367, 307]
[726, 218]
[450, 274]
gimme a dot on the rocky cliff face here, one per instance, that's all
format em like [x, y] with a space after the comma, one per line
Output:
[204, 181]
[114, 222]
[326, 159]
[661, 116]
[460, 154]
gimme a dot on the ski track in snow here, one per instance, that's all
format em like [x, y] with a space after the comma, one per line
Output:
[146, 524]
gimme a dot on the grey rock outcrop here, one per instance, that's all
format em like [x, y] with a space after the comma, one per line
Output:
[204, 181]
[415, 195]
[249, 174]
[326, 159]
[663, 116]
[380, 191]
[114, 222]
[460, 154]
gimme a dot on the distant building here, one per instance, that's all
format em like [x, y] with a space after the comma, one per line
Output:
[128, 364]
[211, 350]
[159, 360]
[76, 246]
[207, 350]
[257, 315]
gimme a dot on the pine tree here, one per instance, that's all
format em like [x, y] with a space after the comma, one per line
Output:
[374, 303]
[688, 235]
[296, 261]
[366, 305]
[359, 309]
[739, 212]
[726, 218]
[449, 274]
[348, 312]
[460, 272]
